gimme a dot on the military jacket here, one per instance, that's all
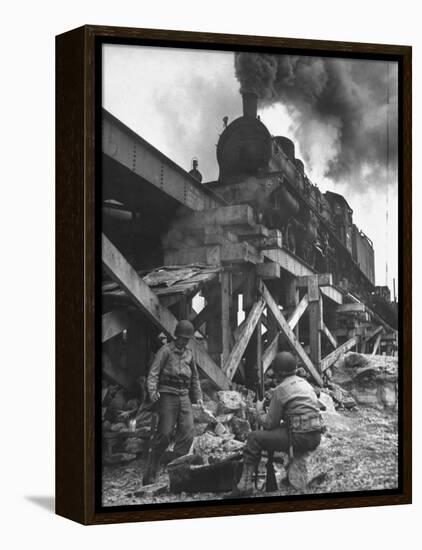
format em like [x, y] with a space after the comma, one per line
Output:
[292, 398]
[174, 371]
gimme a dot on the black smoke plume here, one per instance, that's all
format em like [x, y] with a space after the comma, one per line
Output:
[353, 102]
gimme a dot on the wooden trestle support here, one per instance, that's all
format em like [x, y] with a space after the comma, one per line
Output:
[277, 290]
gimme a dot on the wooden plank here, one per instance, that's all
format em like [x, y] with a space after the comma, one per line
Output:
[225, 315]
[289, 334]
[268, 270]
[239, 348]
[113, 323]
[373, 333]
[351, 308]
[376, 344]
[210, 369]
[239, 253]
[329, 335]
[294, 317]
[287, 261]
[324, 279]
[332, 294]
[315, 322]
[259, 364]
[269, 353]
[125, 275]
[334, 355]
[251, 231]
[313, 288]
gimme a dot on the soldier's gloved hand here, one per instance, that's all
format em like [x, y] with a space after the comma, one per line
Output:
[155, 396]
[200, 403]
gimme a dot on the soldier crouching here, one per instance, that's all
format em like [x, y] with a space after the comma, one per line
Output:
[172, 382]
[291, 424]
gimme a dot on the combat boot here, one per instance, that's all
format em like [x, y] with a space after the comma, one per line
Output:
[152, 468]
[245, 487]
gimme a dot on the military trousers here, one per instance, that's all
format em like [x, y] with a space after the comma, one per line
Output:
[176, 416]
[278, 440]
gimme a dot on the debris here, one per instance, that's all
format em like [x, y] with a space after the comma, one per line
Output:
[224, 418]
[241, 428]
[199, 428]
[205, 444]
[134, 445]
[233, 446]
[202, 415]
[220, 429]
[230, 401]
[118, 427]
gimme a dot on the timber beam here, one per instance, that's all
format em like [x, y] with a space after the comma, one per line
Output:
[146, 300]
[338, 352]
[239, 348]
[290, 335]
[113, 323]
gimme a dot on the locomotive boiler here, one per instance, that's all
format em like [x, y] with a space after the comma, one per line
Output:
[263, 171]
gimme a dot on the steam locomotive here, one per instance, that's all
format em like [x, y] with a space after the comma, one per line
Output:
[262, 170]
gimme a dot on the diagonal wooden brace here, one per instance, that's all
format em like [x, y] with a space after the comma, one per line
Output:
[239, 348]
[290, 335]
[146, 300]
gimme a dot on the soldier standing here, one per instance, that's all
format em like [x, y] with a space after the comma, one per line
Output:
[173, 383]
[293, 421]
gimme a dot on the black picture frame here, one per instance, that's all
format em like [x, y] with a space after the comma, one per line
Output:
[78, 262]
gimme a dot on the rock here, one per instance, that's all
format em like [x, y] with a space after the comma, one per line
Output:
[355, 360]
[199, 429]
[134, 445]
[205, 444]
[203, 415]
[230, 401]
[241, 428]
[212, 405]
[220, 429]
[224, 418]
[327, 401]
[233, 446]
[372, 380]
[307, 468]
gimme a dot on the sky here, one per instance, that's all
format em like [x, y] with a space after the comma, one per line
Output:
[341, 114]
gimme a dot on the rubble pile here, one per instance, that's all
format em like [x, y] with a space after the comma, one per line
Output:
[371, 380]
[126, 426]
[358, 450]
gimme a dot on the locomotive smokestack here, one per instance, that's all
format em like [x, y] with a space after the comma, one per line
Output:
[250, 104]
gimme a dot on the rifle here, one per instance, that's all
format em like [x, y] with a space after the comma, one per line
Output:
[271, 481]
[149, 468]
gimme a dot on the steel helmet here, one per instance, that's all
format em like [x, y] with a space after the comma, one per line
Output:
[284, 363]
[184, 329]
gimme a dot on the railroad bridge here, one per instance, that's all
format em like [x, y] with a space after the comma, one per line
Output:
[173, 249]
